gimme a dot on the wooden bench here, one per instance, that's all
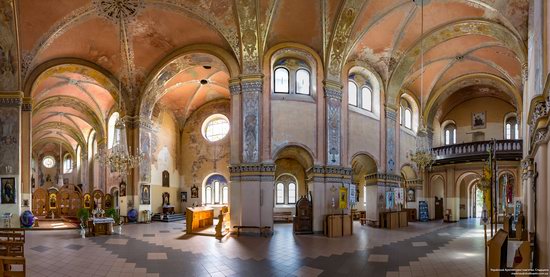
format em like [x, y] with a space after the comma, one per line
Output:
[282, 216]
[12, 242]
[263, 230]
[12, 266]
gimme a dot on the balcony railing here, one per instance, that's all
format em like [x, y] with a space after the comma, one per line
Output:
[477, 151]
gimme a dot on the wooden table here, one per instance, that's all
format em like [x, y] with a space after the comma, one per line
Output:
[198, 218]
[101, 226]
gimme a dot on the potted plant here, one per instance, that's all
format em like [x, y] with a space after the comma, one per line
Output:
[116, 217]
[83, 214]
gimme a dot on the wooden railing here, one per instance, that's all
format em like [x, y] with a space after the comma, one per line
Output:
[478, 151]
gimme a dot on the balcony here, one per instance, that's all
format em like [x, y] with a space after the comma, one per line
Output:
[506, 150]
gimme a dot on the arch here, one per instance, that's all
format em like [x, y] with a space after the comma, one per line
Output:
[438, 97]
[149, 97]
[295, 151]
[213, 195]
[374, 79]
[414, 103]
[408, 172]
[515, 129]
[446, 32]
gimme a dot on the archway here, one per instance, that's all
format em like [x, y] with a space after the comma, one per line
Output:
[291, 165]
[363, 165]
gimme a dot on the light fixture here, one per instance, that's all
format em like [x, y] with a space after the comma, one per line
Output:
[422, 156]
[118, 158]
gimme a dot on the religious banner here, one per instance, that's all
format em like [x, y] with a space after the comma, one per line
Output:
[343, 196]
[399, 198]
[390, 200]
[352, 195]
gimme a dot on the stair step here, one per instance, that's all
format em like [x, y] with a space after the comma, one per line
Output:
[167, 218]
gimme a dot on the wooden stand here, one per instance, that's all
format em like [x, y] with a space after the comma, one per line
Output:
[303, 222]
[338, 225]
[498, 248]
[411, 214]
[199, 218]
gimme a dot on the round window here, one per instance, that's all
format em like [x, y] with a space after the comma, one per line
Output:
[215, 127]
[48, 162]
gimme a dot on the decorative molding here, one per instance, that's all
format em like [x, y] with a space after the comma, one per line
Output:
[26, 107]
[9, 49]
[335, 93]
[235, 88]
[116, 10]
[248, 23]
[391, 115]
[10, 101]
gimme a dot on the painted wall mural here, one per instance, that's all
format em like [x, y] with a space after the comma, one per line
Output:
[251, 91]
[8, 47]
[334, 114]
[391, 121]
[9, 140]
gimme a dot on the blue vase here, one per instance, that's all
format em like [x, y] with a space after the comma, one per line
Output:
[132, 215]
[27, 219]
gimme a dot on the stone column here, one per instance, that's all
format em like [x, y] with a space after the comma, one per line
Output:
[528, 193]
[26, 154]
[84, 180]
[251, 90]
[10, 152]
[391, 125]
[333, 103]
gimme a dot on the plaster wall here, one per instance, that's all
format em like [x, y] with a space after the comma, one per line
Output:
[293, 122]
[495, 111]
[363, 135]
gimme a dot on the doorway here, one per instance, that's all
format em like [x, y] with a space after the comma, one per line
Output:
[438, 208]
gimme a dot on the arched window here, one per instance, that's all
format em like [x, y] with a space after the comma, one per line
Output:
[352, 93]
[208, 195]
[286, 190]
[302, 81]
[281, 80]
[511, 128]
[280, 193]
[67, 164]
[225, 195]
[216, 191]
[111, 130]
[450, 134]
[366, 98]
[406, 114]
[291, 193]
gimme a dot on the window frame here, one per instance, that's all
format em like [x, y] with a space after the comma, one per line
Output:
[451, 138]
[308, 78]
[511, 126]
[216, 193]
[350, 83]
[369, 91]
[275, 80]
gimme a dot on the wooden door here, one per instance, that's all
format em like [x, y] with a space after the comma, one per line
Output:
[438, 208]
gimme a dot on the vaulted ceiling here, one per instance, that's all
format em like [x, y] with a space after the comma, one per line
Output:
[72, 58]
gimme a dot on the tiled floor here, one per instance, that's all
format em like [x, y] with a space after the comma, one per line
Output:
[163, 249]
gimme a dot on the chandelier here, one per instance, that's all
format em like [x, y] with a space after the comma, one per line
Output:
[422, 156]
[117, 158]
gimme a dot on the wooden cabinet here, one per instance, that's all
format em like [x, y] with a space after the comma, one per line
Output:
[303, 221]
[392, 220]
[411, 214]
[198, 218]
[338, 225]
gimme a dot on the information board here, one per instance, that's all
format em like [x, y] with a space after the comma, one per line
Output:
[423, 210]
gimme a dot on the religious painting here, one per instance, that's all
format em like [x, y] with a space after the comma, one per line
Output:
[53, 201]
[184, 196]
[165, 179]
[166, 199]
[411, 195]
[352, 196]
[398, 196]
[122, 189]
[194, 192]
[342, 196]
[87, 201]
[478, 120]
[145, 194]
[390, 200]
[8, 191]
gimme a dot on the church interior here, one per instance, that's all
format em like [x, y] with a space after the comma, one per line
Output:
[274, 137]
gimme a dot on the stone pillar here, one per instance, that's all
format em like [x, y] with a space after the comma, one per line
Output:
[26, 154]
[251, 87]
[102, 168]
[391, 125]
[333, 103]
[528, 193]
[84, 180]
[141, 135]
[10, 153]
[251, 194]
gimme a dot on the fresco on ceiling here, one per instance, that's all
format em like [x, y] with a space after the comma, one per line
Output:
[8, 47]
[9, 140]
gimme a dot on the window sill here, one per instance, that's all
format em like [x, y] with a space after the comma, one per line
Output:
[293, 97]
[363, 112]
[285, 205]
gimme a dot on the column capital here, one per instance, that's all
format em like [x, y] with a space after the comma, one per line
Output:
[235, 86]
[333, 90]
[11, 99]
[27, 104]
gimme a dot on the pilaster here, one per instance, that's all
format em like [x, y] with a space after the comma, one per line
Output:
[333, 103]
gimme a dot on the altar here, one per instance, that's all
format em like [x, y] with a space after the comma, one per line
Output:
[198, 218]
[101, 226]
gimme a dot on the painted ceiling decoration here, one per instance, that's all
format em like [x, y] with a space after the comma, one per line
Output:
[464, 40]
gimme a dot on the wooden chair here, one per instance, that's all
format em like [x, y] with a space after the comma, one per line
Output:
[12, 266]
